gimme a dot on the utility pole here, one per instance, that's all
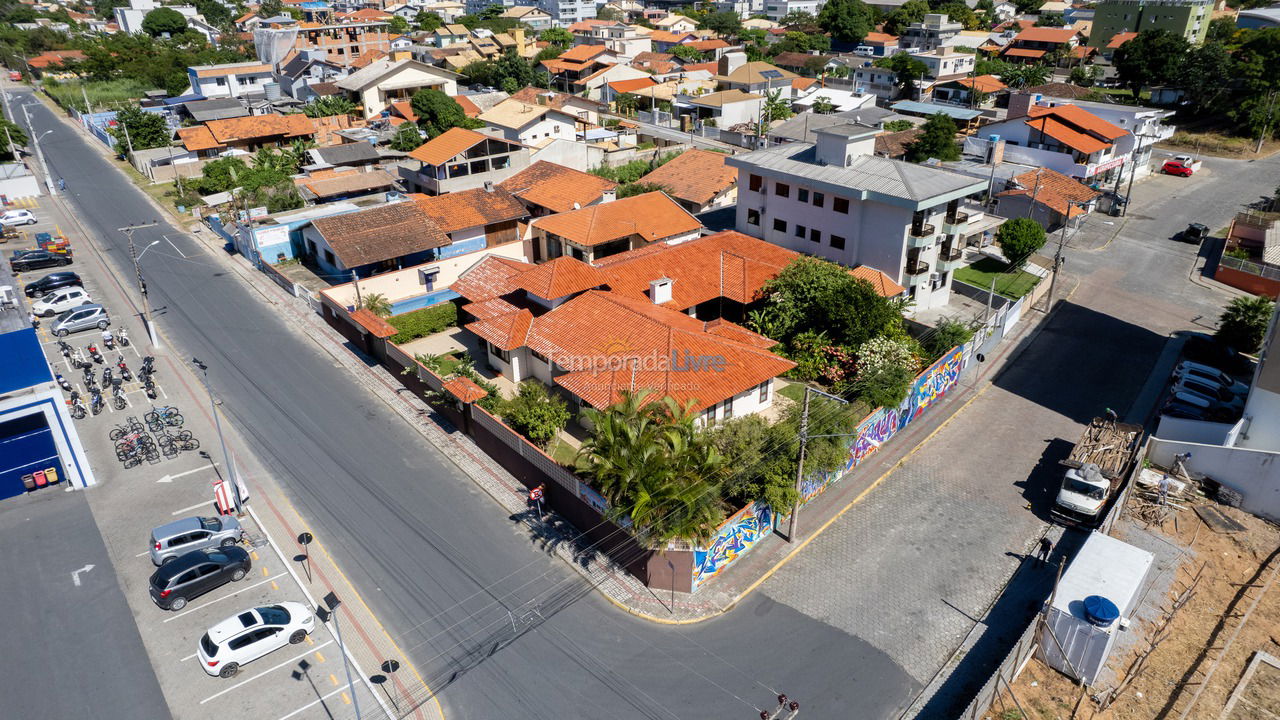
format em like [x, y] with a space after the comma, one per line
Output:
[217, 422]
[1057, 256]
[1133, 172]
[88, 109]
[142, 284]
[127, 141]
[35, 141]
[355, 282]
[805, 437]
[1271, 101]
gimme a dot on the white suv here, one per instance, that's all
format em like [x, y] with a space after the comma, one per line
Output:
[61, 300]
[249, 635]
[17, 217]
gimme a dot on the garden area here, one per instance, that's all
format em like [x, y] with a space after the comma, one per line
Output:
[1010, 282]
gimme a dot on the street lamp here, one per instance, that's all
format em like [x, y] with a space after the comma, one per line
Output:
[332, 602]
[128, 231]
[804, 441]
[35, 141]
[217, 422]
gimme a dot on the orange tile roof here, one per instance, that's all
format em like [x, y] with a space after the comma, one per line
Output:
[374, 324]
[1120, 39]
[1081, 118]
[626, 86]
[879, 38]
[1067, 135]
[382, 232]
[368, 14]
[54, 57]
[471, 208]
[368, 58]
[556, 65]
[583, 53]
[236, 69]
[470, 109]
[556, 187]
[1045, 35]
[803, 83]
[489, 278]
[726, 264]
[884, 285]
[697, 176]
[663, 36]
[983, 83]
[247, 16]
[585, 25]
[559, 278]
[259, 126]
[198, 138]
[1051, 189]
[447, 145]
[711, 67]
[491, 308]
[705, 45]
[348, 183]
[465, 390]
[612, 344]
[1025, 52]
[507, 332]
[652, 216]
[405, 110]
[1083, 51]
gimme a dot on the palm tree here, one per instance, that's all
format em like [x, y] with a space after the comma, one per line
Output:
[1244, 322]
[776, 107]
[658, 471]
[377, 304]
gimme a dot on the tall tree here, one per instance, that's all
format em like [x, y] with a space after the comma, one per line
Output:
[798, 17]
[724, 22]
[847, 21]
[1206, 77]
[963, 14]
[812, 294]
[908, 70]
[912, 11]
[1151, 58]
[556, 36]
[437, 112]
[688, 53]
[16, 136]
[214, 12]
[427, 21]
[145, 130]
[1019, 238]
[1244, 322]
[937, 140]
[407, 138]
[163, 21]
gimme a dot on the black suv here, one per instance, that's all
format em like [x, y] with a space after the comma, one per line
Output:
[36, 259]
[51, 282]
[197, 573]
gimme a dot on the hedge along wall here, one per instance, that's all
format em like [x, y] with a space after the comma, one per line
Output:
[421, 323]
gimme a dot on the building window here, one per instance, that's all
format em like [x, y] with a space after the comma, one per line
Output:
[764, 392]
[780, 225]
[840, 205]
[782, 190]
[753, 217]
[709, 416]
[837, 242]
[814, 235]
[728, 408]
[502, 355]
[802, 195]
[754, 183]
[800, 231]
[328, 257]
[817, 199]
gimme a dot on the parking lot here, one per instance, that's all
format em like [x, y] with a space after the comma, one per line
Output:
[307, 680]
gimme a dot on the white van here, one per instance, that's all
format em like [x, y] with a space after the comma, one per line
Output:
[61, 300]
[864, 51]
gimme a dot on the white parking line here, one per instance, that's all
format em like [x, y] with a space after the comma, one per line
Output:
[143, 553]
[313, 703]
[188, 657]
[220, 693]
[184, 613]
[193, 507]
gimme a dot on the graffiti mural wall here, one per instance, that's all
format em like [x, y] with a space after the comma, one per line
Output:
[737, 535]
[878, 427]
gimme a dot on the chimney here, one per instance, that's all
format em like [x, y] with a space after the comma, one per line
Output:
[730, 61]
[488, 186]
[840, 144]
[518, 35]
[608, 195]
[545, 98]
[1019, 104]
[660, 290]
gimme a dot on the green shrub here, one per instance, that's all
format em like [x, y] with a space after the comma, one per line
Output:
[421, 323]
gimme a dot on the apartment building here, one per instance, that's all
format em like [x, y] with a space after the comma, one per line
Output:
[836, 200]
[1188, 18]
[567, 12]
[343, 43]
[930, 33]
[1063, 137]
[461, 159]
[775, 10]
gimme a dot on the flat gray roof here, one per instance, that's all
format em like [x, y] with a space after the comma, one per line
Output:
[892, 181]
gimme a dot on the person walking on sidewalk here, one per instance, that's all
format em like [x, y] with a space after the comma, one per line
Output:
[1046, 547]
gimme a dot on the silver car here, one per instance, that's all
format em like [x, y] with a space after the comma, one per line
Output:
[194, 533]
[84, 317]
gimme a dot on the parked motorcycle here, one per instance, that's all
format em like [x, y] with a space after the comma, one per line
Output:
[93, 353]
[149, 386]
[78, 359]
[124, 370]
[65, 349]
[95, 400]
[88, 375]
[123, 338]
[62, 382]
[117, 396]
[108, 340]
[148, 365]
[106, 376]
[77, 408]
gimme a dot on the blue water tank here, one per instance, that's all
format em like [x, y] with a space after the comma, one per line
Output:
[1100, 611]
[993, 138]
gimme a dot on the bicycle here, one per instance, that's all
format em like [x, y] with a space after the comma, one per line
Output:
[163, 417]
[175, 442]
[130, 427]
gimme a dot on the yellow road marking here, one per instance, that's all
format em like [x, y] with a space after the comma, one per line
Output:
[274, 586]
[333, 679]
[264, 572]
[404, 657]
[347, 700]
[310, 641]
[319, 657]
[254, 554]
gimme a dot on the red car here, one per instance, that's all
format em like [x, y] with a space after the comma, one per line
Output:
[1173, 167]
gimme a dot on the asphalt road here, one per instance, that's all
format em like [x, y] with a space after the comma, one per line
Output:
[70, 650]
[450, 578]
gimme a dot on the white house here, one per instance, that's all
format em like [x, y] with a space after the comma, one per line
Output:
[229, 79]
[382, 82]
[775, 10]
[527, 123]
[1063, 137]
[835, 199]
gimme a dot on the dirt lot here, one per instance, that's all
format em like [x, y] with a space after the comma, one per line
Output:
[1235, 569]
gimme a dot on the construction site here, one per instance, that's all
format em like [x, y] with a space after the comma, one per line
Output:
[1169, 614]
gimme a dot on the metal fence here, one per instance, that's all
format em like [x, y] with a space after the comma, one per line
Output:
[1271, 272]
[527, 450]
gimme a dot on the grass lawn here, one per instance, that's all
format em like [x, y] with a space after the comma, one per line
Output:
[1010, 284]
[562, 452]
[795, 391]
